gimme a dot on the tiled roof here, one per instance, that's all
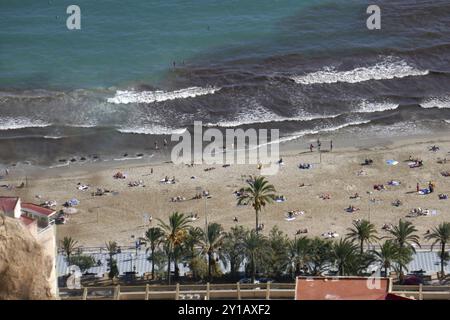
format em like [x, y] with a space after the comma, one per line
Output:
[8, 204]
[37, 209]
[26, 220]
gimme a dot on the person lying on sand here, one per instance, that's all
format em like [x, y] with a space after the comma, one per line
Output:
[355, 196]
[301, 185]
[367, 162]
[305, 166]
[416, 164]
[325, 196]
[434, 149]
[301, 231]
[352, 208]
[443, 196]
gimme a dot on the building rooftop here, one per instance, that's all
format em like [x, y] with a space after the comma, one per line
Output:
[8, 204]
[38, 209]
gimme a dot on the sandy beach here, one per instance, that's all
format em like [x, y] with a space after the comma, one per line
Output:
[120, 215]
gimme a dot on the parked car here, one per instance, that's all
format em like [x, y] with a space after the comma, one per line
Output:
[264, 280]
[247, 280]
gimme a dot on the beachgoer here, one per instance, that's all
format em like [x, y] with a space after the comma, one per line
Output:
[156, 145]
[418, 187]
[311, 147]
[165, 142]
[331, 145]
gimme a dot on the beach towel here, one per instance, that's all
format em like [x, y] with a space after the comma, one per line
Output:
[391, 162]
[289, 219]
[72, 202]
[424, 191]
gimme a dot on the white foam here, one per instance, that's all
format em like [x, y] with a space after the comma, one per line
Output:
[448, 121]
[303, 133]
[20, 123]
[441, 103]
[260, 115]
[389, 68]
[125, 97]
[155, 129]
[366, 106]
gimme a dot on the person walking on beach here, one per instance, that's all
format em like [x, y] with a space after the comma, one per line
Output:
[331, 145]
[165, 142]
[311, 147]
[318, 144]
[417, 187]
[156, 145]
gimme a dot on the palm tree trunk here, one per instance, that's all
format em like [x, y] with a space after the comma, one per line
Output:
[209, 266]
[253, 268]
[232, 267]
[153, 265]
[177, 271]
[257, 221]
[168, 269]
[442, 259]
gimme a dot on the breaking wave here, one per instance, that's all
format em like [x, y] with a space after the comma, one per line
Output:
[126, 97]
[20, 123]
[389, 68]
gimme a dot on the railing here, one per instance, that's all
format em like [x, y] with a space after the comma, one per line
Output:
[225, 291]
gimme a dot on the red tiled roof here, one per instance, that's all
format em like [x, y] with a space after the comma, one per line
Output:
[8, 204]
[341, 288]
[26, 220]
[38, 209]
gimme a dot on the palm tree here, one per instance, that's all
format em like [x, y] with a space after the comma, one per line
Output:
[362, 231]
[113, 249]
[254, 244]
[319, 255]
[175, 233]
[153, 238]
[441, 235]
[211, 242]
[299, 250]
[404, 236]
[390, 254]
[258, 193]
[193, 239]
[68, 245]
[233, 248]
[344, 254]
